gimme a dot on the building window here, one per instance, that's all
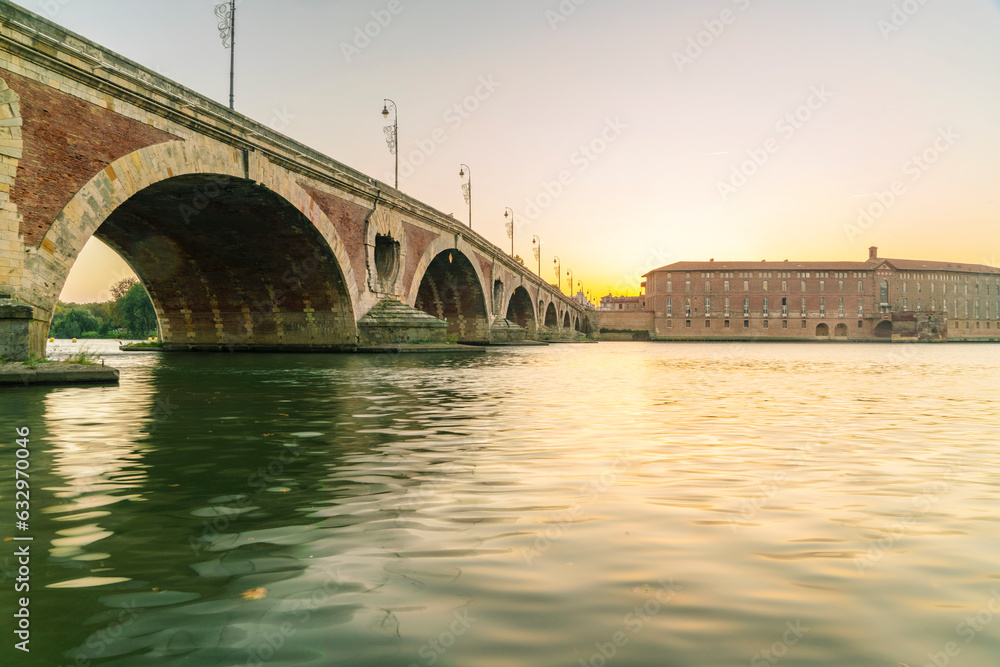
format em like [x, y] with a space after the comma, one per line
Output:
[883, 290]
[670, 324]
[726, 324]
[708, 324]
[840, 285]
[727, 306]
[861, 287]
[822, 306]
[687, 287]
[966, 309]
[840, 308]
[746, 285]
[803, 286]
[933, 305]
[822, 286]
[766, 323]
[687, 308]
[670, 285]
[803, 306]
[708, 285]
[746, 324]
[687, 323]
[765, 306]
[861, 308]
[784, 307]
[803, 324]
[725, 286]
[765, 285]
[670, 307]
[746, 306]
[708, 306]
[784, 285]
[906, 304]
[784, 324]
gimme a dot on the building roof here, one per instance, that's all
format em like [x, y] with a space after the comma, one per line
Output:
[870, 265]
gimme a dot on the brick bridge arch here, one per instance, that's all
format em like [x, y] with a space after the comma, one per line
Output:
[449, 284]
[521, 310]
[230, 262]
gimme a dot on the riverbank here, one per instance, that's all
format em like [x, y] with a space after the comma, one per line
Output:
[56, 373]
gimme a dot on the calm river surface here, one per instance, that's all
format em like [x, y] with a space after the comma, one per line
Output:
[613, 504]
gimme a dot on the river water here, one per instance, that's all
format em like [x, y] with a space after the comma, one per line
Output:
[610, 504]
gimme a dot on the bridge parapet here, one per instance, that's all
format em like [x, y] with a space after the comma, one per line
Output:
[244, 238]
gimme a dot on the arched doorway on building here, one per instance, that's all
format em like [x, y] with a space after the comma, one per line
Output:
[884, 329]
[822, 330]
[840, 331]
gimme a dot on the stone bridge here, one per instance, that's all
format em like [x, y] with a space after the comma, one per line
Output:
[244, 239]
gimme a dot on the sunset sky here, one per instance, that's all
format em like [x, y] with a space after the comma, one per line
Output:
[681, 129]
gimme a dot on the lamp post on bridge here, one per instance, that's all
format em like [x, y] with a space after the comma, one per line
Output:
[392, 132]
[558, 266]
[467, 189]
[226, 12]
[536, 244]
[569, 274]
[510, 228]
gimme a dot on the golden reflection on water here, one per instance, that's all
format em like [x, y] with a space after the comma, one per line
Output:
[667, 504]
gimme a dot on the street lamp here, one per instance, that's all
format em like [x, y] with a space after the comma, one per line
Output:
[569, 274]
[226, 12]
[392, 133]
[537, 249]
[558, 267]
[510, 228]
[467, 189]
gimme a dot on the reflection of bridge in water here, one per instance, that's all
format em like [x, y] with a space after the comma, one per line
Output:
[244, 238]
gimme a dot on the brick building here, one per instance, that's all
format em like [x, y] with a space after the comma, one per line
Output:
[623, 302]
[879, 298]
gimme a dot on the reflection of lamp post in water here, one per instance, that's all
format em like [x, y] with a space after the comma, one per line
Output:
[569, 274]
[226, 12]
[537, 249]
[392, 133]
[467, 189]
[558, 266]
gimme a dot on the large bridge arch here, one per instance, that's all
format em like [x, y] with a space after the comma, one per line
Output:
[449, 285]
[521, 310]
[230, 262]
[551, 317]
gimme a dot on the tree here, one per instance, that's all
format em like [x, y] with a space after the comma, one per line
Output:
[136, 310]
[73, 322]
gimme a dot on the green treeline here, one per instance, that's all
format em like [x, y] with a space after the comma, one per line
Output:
[129, 314]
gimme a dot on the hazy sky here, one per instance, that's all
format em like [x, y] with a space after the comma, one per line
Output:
[681, 129]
